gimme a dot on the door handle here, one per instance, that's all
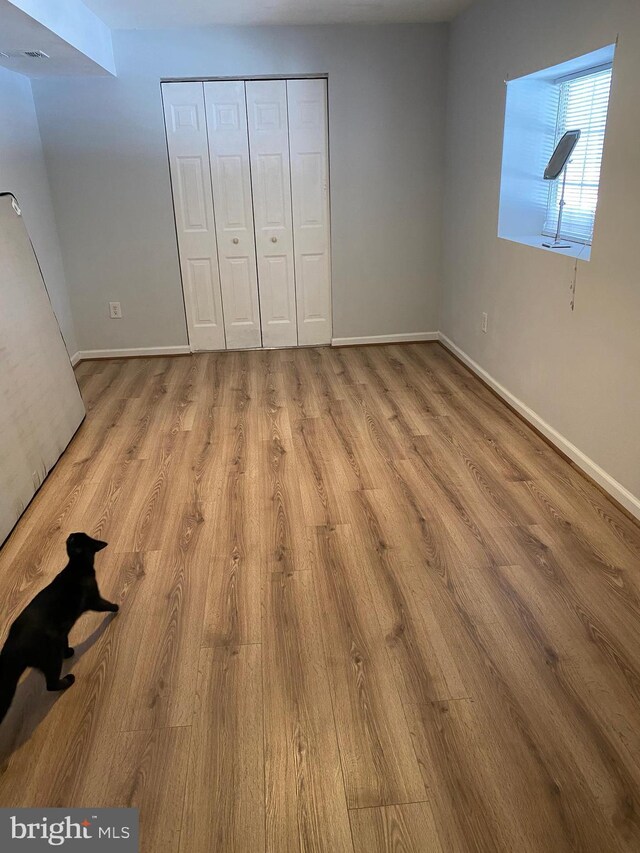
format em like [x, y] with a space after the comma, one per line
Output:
[235, 240]
[274, 239]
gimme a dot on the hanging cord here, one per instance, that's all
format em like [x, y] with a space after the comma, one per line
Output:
[574, 280]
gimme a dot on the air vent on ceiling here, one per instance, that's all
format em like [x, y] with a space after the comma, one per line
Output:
[19, 54]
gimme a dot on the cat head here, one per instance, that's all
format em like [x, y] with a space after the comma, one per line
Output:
[81, 545]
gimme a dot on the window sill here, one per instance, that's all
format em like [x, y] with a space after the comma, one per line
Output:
[575, 250]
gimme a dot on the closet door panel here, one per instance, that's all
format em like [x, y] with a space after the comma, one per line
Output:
[274, 292]
[200, 281]
[231, 180]
[269, 148]
[186, 128]
[308, 140]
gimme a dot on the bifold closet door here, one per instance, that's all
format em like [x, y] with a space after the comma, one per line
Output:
[269, 149]
[186, 126]
[308, 142]
[231, 180]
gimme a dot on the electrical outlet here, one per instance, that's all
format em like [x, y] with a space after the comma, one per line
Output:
[485, 321]
[115, 311]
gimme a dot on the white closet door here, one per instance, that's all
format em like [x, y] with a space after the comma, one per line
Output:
[231, 179]
[308, 141]
[269, 147]
[191, 182]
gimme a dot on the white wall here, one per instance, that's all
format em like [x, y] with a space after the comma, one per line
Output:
[106, 156]
[22, 172]
[580, 371]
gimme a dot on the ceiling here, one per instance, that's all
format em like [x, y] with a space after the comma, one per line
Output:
[19, 32]
[22, 31]
[154, 14]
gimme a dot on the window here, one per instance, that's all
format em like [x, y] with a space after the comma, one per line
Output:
[539, 108]
[583, 102]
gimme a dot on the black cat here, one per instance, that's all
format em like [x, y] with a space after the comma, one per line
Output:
[39, 636]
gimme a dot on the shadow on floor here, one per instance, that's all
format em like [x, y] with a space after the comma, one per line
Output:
[33, 701]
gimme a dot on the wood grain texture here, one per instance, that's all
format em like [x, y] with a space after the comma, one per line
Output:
[305, 798]
[224, 803]
[378, 761]
[408, 828]
[363, 607]
[140, 759]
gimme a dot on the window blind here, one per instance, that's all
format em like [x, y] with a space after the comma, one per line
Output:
[582, 106]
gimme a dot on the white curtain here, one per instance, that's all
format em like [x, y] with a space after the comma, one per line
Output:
[40, 404]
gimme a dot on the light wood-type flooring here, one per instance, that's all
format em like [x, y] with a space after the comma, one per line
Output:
[363, 608]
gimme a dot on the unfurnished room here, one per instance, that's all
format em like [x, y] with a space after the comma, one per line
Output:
[320, 426]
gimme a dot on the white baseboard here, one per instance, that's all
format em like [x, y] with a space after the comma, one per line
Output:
[400, 338]
[87, 354]
[75, 358]
[624, 497]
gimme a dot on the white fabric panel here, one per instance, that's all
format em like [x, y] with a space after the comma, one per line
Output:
[40, 404]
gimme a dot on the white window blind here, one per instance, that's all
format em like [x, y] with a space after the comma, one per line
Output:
[582, 106]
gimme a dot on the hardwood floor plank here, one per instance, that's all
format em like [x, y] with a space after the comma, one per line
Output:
[425, 668]
[349, 466]
[140, 759]
[378, 762]
[224, 803]
[484, 773]
[588, 581]
[163, 679]
[305, 798]
[406, 828]
[321, 496]
[286, 544]
[232, 612]
[301, 401]
[600, 669]
[553, 740]
[157, 488]
[114, 500]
